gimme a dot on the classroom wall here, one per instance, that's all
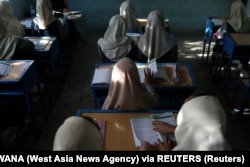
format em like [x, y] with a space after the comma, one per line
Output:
[184, 15]
[21, 7]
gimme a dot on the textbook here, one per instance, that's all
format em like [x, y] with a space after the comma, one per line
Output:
[142, 128]
[102, 76]
[159, 71]
[5, 68]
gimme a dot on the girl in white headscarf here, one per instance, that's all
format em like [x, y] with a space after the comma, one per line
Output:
[78, 134]
[45, 24]
[126, 92]
[156, 42]
[127, 10]
[12, 24]
[12, 46]
[115, 44]
[201, 126]
[237, 23]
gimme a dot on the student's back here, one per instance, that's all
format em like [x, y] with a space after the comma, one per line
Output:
[12, 46]
[156, 42]
[11, 23]
[45, 24]
[115, 44]
[127, 10]
[126, 91]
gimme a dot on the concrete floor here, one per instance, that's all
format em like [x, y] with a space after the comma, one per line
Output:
[75, 93]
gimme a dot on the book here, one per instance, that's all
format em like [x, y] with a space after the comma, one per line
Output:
[5, 68]
[102, 126]
[102, 76]
[142, 128]
[158, 70]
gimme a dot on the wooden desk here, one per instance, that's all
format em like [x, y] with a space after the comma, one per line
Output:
[118, 133]
[169, 91]
[143, 23]
[212, 25]
[236, 46]
[21, 79]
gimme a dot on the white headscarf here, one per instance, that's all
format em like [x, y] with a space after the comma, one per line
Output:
[8, 43]
[201, 125]
[11, 23]
[238, 15]
[127, 10]
[115, 44]
[126, 91]
[77, 133]
[44, 15]
[156, 41]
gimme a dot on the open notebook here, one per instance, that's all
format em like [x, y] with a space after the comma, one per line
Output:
[142, 128]
[103, 75]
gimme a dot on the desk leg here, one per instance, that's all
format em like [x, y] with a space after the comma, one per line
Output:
[208, 50]
[33, 124]
[245, 98]
[94, 99]
[228, 73]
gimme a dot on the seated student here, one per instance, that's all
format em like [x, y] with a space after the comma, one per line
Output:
[126, 92]
[63, 6]
[12, 46]
[12, 24]
[115, 44]
[127, 10]
[201, 126]
[45, 24]
[156, 42]
[78, 134]
[237, 23]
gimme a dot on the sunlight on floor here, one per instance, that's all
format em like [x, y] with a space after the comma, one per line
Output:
[195, 48]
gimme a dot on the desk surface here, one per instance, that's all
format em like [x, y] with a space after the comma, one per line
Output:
[241, 39]
[143, 22]
[185, 75]
[118, 133]
[18, 70]
[43, 43]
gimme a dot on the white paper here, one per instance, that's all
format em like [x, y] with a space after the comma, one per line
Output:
[102, 75]
[142, 128]
[143, 131]
[5, 68]
[160, 74]
[152, 65]
[217, 21]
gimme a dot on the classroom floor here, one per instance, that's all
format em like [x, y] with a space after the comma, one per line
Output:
[75, 93]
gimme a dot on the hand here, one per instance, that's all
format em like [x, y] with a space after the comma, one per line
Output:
[148, 80]
[145, 146]
[166, 145]
[163, 127]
